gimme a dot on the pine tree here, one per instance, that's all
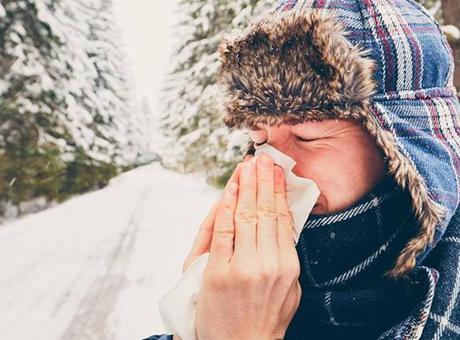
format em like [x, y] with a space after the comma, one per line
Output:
[195, 136]
[119, 114]
[96, 89]
[68, 122]
[31, 128]
[149, 129]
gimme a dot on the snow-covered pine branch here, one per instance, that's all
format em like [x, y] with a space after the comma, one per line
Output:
[68, 121]
[452, 33]
[195, 136]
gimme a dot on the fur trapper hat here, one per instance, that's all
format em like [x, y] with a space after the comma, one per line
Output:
[363, 60]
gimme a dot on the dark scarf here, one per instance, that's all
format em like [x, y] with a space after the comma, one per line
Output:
[343, 257]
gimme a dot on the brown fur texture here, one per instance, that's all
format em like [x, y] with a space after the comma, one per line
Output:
[291, 67]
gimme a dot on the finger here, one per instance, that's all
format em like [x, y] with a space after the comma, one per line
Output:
[267, 243]
[236, 174]
[224, 229]
[246, 213]
[285, 225]
[202, 242]
[288, 257]
[203, 238]
[247, 158]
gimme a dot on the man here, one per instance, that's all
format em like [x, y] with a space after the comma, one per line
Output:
[360, 93]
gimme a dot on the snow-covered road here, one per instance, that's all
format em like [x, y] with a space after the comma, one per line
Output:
[95, 266]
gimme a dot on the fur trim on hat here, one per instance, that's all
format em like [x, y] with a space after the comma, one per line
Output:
[294, 66]
[291, 66]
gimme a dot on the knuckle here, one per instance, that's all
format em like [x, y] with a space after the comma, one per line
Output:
[284, 217]
[225, 231]
[244, 275]
[299, 291]
[266, 180]
[216, 282]
[226, 207]
[225, 216]
[269, 273]
[226, 211]
[285, 214]
[267, 211]
[246, 216]
[291, 270]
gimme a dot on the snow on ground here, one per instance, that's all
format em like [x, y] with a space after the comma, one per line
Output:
[95, 266]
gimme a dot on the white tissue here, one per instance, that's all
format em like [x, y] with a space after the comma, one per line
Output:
[302, 193]
[177, 307]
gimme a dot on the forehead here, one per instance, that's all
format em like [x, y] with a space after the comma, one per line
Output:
[314, 125]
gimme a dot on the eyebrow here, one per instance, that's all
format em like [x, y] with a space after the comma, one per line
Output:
[308, 129]
[325, 125]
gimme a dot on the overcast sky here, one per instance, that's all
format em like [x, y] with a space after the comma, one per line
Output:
[146, 28]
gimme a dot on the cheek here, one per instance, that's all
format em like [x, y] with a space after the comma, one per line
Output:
[335, 175]
[320, 168]
[323, 165]
[353, 177]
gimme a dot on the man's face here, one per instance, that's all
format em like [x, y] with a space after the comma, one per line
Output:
[340, 156]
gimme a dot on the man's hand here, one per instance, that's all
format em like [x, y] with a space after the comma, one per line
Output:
[250, 288]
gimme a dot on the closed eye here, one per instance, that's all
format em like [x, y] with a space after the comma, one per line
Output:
[298, 138]
[306, 140]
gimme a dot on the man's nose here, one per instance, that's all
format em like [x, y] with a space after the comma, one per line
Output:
[279, 138]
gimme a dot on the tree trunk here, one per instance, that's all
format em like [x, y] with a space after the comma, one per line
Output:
[451, 14]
